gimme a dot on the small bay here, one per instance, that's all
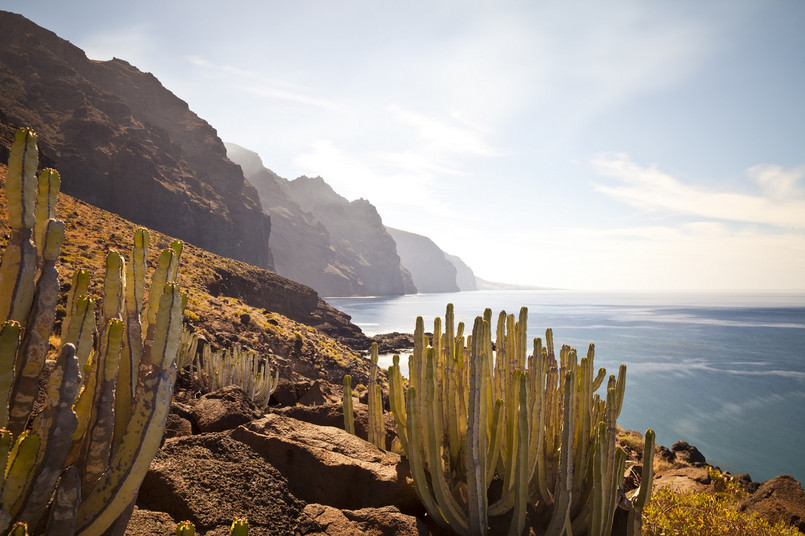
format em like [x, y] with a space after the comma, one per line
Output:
[722, 370]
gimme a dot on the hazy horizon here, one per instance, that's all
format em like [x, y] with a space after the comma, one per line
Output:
[627, 146]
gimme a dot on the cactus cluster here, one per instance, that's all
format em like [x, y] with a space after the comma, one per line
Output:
[76, 465]
[212, 370]
[479, 412]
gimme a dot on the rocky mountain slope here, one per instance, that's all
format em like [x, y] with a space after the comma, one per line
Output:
[228, 301]
[123, 142]
[429, 267]
[339, 248]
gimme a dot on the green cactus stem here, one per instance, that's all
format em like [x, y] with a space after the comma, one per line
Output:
[376, 430]
[349, 415]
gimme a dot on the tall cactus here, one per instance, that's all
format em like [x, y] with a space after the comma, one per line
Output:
[76, 467]
[479, 412]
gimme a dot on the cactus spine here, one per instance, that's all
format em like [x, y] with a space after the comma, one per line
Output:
[476, 412]
[77, 465]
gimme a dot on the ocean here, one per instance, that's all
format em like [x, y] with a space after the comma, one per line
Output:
[724, 371]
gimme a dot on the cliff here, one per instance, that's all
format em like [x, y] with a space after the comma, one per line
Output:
[465, 277]
[358, 236]
[429, 267]
[123, 142]
[318, 238]
[299, 242]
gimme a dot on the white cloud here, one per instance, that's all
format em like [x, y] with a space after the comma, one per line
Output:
[444, 135]
[254, 83]
[781, 204]
[776, 181]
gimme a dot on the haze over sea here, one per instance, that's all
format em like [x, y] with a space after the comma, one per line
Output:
[724, 371]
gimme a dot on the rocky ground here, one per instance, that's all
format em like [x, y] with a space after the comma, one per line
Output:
[293, 470]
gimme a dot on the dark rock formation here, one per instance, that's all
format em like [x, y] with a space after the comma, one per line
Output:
[123, 142]
[779, 499]
[224, 409]
[327, 254]
[210, 479]
[465, 277]
[688, 453]
[429, 267]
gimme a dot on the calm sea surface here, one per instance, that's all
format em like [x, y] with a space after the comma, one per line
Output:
[724, 371]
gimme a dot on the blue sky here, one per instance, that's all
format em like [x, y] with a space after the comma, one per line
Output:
[585, 145]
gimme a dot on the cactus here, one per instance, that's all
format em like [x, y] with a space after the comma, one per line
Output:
[230, 366]
[349, 416]
[76, 467]
[376, 431]
[477, 412]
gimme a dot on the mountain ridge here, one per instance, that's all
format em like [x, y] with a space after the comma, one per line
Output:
[125, 143]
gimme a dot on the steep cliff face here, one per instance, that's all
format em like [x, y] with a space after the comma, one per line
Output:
[299, 242]
[429, 267]
[465, 277]
[123, 142]
[358, 237]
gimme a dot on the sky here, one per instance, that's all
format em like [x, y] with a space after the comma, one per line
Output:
[625, 145]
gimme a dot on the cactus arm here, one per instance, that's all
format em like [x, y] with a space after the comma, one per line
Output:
[100, 432]
[35, 343]
[19, 473]
[82, 327]
[635, 520]
[118, 486]
[128, 371]
[375, 432]
[417, 463]
[114, 287]
[158, 280]
[521, 464]
[9, 342]
[397, 401]
[78, 287]
[19, 259]
[349, 416]
[65, 504]
[452, 511]
[55, 426]
[562, 496]
[49, 182]
[476, 448]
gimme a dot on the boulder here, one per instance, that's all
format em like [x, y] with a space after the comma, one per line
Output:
[329, 466]
[687, 453]
[177, 426]
[210, 479]
[684, 479]
[149, 523]
[333, 415]
[224, 409]
[386, 521]
[779, 499]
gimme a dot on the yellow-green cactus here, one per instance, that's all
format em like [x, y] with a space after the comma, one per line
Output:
[479, 411]
[84, 442]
